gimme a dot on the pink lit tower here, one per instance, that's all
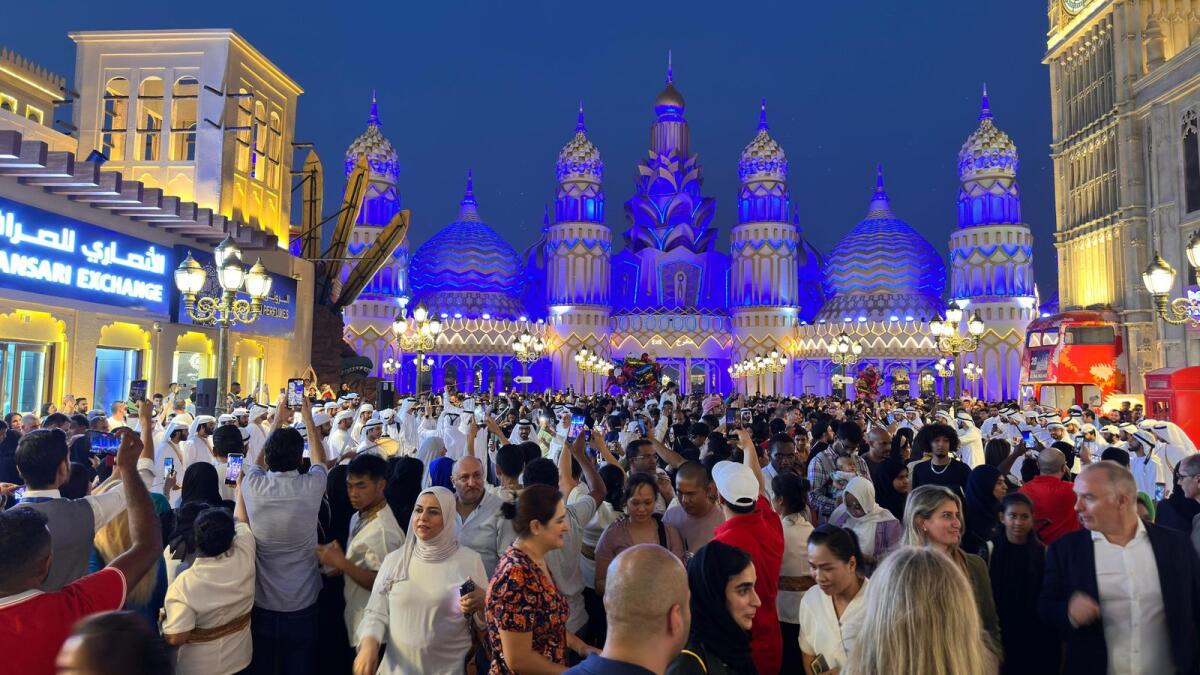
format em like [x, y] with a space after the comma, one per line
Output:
[991, 257]
[578, 248]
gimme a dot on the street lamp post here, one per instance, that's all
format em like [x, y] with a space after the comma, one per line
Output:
[973, 372]
[945, 370]
[224, 310]
[950, 340]
[844, 351]
[1159, 278]
[527, 348]
[416, 334]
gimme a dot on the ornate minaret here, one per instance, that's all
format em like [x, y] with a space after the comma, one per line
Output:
[991, 256]
[766, 253]
[578, 245]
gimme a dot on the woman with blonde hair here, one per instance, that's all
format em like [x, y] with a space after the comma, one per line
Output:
[914, 594]
[933, 519]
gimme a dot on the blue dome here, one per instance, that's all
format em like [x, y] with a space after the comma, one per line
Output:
[883, 268]
[466, 267]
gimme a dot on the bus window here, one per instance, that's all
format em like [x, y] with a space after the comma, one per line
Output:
[1035, 339]
[1058, 396]
[1089, 335]
[1050, 338]
[1091, 396]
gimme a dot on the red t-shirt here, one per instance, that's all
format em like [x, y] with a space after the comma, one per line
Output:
[34, 625]
[760, 534]
[1053, 507]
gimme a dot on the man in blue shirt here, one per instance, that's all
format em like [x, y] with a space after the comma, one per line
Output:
[282, 505]
[647, 600]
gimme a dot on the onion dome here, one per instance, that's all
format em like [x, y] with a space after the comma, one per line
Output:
[989, 152]
[381, 156]
[579, 159]
[882, 268]
[466, 267]
[763, 159]
[669, 99]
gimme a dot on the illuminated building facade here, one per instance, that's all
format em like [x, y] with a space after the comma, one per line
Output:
[200, 114]
[1124, 78]
[28, 96]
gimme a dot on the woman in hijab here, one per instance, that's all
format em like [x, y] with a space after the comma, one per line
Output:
[892, 486]
[201, 484]
[425, 596]
[403, 487]
[440, 472]
[723, 607]
[200, 491]
[985, 488]
[1016, 568]
[430, 449]
[877, 529]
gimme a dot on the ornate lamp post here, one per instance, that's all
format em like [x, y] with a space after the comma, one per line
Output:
[416, 334]
[973, 372]
[390, 366]
[945, 370]
[738, 372]
[950, 340]
[527, 348]
[844, 351]
[592, 364]
[1159, 278]
[775, 364]
[224, 310]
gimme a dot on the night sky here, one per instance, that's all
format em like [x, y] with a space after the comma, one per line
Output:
[494, 86]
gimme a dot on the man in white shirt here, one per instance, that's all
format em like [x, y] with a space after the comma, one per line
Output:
[339, 438]
[478, 513]
[118, 417]
[372, 431]
[970, 440]
[198, 446]
[1147, 468]
[169, 451]
[365, 411]
[258, 435]
[1125, 596]
[374, 533]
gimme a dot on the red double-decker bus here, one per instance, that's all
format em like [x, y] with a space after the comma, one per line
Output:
[1072, 358]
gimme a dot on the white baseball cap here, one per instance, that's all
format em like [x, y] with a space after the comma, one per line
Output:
[736, 483]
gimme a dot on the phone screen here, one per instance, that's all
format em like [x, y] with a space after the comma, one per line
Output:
[731, 417]
[480, 416]
[137, 392]
[577, 426]
[747, 415]
[295, 393]
[169, 465]
[1158, 493]
[103, 442]
[233, 469]
[1027, 435]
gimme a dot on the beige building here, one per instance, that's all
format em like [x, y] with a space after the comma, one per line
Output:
[1125, 100]
[28, 94]
[200, 114]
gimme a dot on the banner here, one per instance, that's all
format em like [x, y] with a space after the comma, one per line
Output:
[43, 252]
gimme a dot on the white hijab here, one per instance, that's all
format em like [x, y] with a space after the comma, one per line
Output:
[864, 528]
[431, 448]
[443, 545]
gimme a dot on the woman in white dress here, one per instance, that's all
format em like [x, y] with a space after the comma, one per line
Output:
[831, 618]
[416, 606]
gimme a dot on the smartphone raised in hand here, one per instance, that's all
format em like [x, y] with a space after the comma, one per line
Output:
[234, 468]
[578, 423]
[137, 394]
[295, 393]
[103, 442]
[169, 466]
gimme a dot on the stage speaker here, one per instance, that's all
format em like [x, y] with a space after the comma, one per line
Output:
[204, 396]
[385, 395]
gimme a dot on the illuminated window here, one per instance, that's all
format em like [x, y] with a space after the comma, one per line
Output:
[34, 114]
[116, 118]
[274, 150]
[8, 103]
[184, 96]
[150, 119]
[242, 101]
[259, 134]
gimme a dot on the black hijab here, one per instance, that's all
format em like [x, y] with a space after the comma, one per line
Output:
[200, 485]
[982, 508]
[404, 487]
[709, 572]
[337, 499]
[885, 494]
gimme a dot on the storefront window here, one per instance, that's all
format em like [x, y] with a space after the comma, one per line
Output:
[115, 369]
[189, 367]
[24, 376]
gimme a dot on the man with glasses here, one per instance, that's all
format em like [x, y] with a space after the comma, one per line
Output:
[1178, 510]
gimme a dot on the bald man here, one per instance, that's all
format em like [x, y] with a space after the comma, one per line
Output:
[478, 513]
[647, 601]
[1124, 595]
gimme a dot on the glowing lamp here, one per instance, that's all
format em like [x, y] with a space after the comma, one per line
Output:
[231, 274]
[1193, 249]
[399, 326]
[857, 348]
[935, 327]
[954, 315]
[975, 325]
[225, 250]
[189, 276]
[435, 327]
[1159, 276]
[258, 282]
[420, 314]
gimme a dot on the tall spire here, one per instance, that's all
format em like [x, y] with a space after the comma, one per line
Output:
[545, 217]
[670, 73]
[469, 208]
[762, 116]
[985, 109]
[373, 120]
[579, 126]
[880, 206]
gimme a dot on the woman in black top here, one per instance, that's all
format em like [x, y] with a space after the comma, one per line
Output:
[723, 603]
[1016, 568]
[985, 488]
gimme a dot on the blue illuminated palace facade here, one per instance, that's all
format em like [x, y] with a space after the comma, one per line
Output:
[670, 293]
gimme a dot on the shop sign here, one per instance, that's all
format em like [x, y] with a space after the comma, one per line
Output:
[49, 254]
[278, 318]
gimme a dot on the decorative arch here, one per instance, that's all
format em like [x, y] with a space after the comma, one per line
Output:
[124, 335]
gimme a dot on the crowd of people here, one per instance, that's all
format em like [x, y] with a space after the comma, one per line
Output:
[633, 533]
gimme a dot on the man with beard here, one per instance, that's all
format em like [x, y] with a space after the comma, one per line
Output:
[942, 468]
[784, 459]
[822, 467]
[198, 447]
[880, 443]
[695, 512]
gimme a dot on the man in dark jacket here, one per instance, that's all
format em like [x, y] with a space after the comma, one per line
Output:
[1178, 510]
[1124, 596]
